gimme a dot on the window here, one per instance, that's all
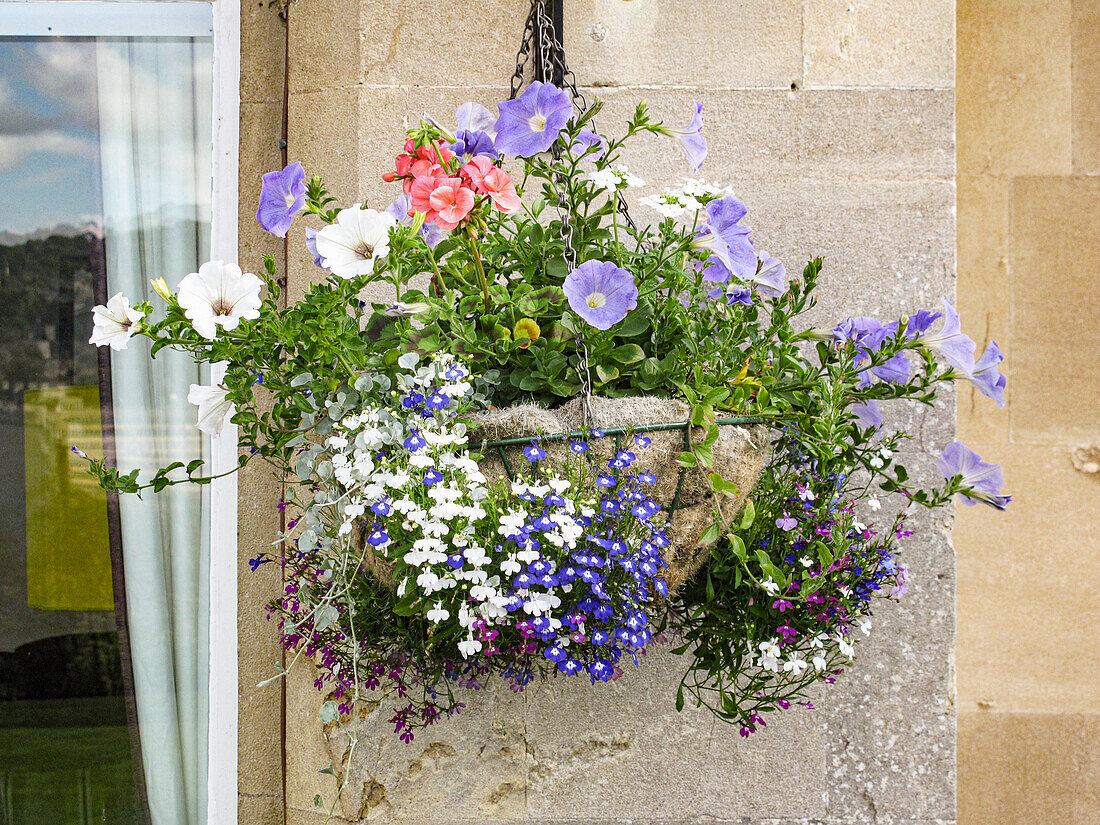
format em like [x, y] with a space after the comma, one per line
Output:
[118, 131]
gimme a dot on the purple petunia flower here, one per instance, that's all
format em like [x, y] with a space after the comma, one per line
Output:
[985, 376]
[691, 138]
[867, 413]
[282, 196]
[984, 478]
[727, 240]
[473, 117]
[311, 245]
[950, 343]
[430, 231]
[920, 321]
[601, 293]
[771, 280]
[531, 123]
[588, 144]
[468, 143]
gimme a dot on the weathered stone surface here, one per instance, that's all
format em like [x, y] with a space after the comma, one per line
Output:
[1015, 99]
[671, 43]
[862, 176]
[891, 43]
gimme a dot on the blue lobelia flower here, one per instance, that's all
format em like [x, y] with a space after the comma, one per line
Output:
[727, 240]
[437, 401]
[534, 453]
[282, 196]
[578, 446]
[601, 293]
[433, 476]
[255, 563]
[470, 143]
[691, 138]
[415, 442]
[986, 377]
[378, 537]
[531, 123]
[984, 478]
[950, 343]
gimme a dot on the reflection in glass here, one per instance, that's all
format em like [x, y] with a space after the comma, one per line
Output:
[104, 184]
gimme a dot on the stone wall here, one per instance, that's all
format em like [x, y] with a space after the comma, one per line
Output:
[1029, 599]
[834, 122]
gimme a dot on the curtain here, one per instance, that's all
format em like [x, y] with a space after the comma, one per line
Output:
[154, 98]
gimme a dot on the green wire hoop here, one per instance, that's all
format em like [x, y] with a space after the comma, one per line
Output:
[500, 444]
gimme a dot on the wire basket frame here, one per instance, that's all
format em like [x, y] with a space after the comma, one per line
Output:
[500, 446]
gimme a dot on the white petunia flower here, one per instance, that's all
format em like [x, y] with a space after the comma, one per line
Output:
[350, 247]
[115, 323]
[219, 295]
[214, 405]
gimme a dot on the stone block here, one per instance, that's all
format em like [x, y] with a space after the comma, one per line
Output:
[414, 44]
[621, 752]
[1055, 306]
[263, 49]
[890, 718]
[984, 295]
[869, 134]
[1014, 99]
[654, 43]
[1086, 78]
[900, 44]
[1025, 768]
[260, 810]
[324, 44]
[1040, 558]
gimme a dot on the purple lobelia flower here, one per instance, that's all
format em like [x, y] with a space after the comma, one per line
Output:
[984, 479]
[727, 240]
[589, 145]
[601, 293]
[430, 232]
[468, 143]
[950, 343]
[985, 376]
[282, 196]
[691, 138]
[531, 123]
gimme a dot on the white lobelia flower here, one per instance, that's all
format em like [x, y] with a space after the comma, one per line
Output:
[219, 295]
[115, 323]
[349, 247]
[468, 647]
[795, 664]
[438, 613]
[214, 405]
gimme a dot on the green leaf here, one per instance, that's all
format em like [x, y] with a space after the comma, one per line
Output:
[606, 374]
[710, 535]
[748, 514]
[628, 354]
[686, 460]
[680, 699]
[330, 712]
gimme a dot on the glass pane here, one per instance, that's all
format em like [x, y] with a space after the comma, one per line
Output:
[104, 184]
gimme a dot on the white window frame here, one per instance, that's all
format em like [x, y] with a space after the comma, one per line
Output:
[220, 19]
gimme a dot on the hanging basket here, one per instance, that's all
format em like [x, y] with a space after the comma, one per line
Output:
[684, 494]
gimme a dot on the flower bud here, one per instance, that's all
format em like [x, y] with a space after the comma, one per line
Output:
[160, 286]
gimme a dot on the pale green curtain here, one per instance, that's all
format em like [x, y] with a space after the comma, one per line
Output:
[155, 133]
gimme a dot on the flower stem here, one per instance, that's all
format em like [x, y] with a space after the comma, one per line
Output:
[480, 269]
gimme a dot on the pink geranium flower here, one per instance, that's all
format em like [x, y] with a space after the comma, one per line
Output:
[450, 202]
[493, 181]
